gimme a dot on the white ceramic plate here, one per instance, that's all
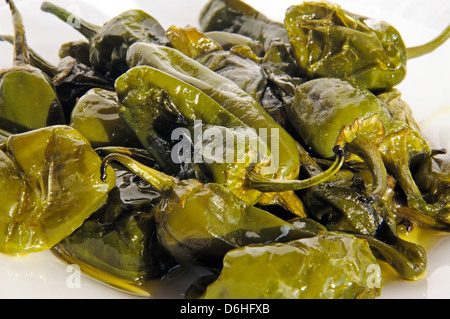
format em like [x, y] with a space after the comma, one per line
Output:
[426, 89]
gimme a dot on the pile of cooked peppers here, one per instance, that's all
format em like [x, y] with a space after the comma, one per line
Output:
[87, 166]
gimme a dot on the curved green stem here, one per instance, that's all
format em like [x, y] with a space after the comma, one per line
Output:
[21, 55]
[418, 51]
[87, 29]
[364, 148]
[136, 153]
[160, 181]
[268, 185]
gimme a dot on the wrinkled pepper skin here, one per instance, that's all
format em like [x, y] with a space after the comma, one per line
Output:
[48, 187]
[110, 42]
[238, 17]
[96, 116]
[433, 179]
[328, 266]
[199, 223]
[328, 41]
[239, 64]
[222, 90]
[79, 50]
[28, 100]
[328, 112]
[211, 221]
[144, 91]
[323, 107]
[27, 97]
[382, 134]
[117, 245]
[70, 78]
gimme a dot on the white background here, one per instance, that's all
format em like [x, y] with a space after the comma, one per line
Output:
[426, 89]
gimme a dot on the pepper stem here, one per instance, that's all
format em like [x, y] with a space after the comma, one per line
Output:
[364, 148]
[35, 59]
[21, 55]
[418, 51]
[87, 29]
[413, 194]
[267, 185]
[160, 181]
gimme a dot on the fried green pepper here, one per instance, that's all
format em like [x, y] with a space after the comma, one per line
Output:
[27, 97]
[338, 204]
[109, 43]
[236, 16]
[145, 92]
[191, 41]
[328, 41]
[50, 184]
[117, 245]
[71, 78]
[328, 266]
[96, 116]
[240, 64]
[382, 133]
[329, 112]
[79, 50]
[200, 223]
[227, 40]
[433, 179]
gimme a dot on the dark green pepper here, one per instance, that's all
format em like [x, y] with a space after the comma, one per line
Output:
[96, 116]
[328, 41]
[227, 40]
[79, 50]
[50, 184]
[240, 64]
[433, 179]
[338, 205]
[378, 132]
[191, 41]
[328, 266]
[145, 92]
[109, 43]
[117, 245]
[71, 78]
[200, 222]
[329, 112]
[236, 16]
[27, 97]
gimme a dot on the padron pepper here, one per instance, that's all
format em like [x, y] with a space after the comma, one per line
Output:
[199, 223]
[51, 184]
[433, 179]
[377, 132]
[227, 40]
[117, 245]
[71, 78]
[239, 64]
[27, 97]
[144, 91]
[79, 50]
[328, 112]
[337, 204]
[327, 266]
[235, 16]
[191, 41]
[329, 41]
[110, 42]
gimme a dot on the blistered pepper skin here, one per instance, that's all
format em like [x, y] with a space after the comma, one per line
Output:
[328, 41]
[50, 187]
